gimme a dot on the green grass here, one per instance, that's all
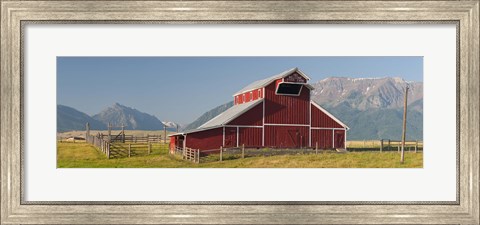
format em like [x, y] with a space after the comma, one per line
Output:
[83, 155]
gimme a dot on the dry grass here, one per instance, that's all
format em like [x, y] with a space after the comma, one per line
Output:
[83, 155]
[376, 144]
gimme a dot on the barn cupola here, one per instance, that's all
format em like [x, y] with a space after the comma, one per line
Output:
[290, 83]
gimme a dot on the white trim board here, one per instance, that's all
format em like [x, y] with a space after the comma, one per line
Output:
[287, 125]
[243, 126]
[327, 128]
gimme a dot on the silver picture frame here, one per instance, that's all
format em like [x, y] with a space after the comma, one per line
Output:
[15, 15]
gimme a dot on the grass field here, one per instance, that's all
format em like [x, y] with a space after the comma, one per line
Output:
[83, 155]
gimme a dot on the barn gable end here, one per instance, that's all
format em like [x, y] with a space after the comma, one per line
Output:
[283, 109]
[323, 119]
[295, 78]
[252, 117]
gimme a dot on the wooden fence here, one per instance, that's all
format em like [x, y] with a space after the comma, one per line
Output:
[118, 150]
[384, 145]
[196, 156]
[100, 143]
[178, 150]
[137, 139]
[191, 155]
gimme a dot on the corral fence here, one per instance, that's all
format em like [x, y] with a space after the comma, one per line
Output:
[122, 145]
[137, 139]
[118, 150]
[191, 154]
[100, 143]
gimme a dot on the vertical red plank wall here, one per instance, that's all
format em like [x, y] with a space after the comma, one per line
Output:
[322, 137]
[320, 119]
[250, 136]
[205, 140]
[283, 109]
[286, 136]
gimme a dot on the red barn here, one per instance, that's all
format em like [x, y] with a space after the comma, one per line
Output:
[275, 112]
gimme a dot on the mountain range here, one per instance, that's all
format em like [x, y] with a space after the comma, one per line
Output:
[371, 107]
[69, 119]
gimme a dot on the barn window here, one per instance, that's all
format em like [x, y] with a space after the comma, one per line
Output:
[259, 93]
[289, 89]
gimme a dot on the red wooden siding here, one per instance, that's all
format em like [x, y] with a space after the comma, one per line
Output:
[172, 143]
[250, 136]
[323, 137]
[320, 119]
[286, 136]
[252, 117]
[282, 109]
[205, 140]
[295, 78]
[230, 137]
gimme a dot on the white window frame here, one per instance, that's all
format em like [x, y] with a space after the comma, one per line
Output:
[299, 92]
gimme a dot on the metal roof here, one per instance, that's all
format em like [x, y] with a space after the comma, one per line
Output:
[230, 114]
[266, 81]
[223, 118]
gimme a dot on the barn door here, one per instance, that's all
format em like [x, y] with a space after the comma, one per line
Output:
[294, 135]
[339, 139]
[230, 137]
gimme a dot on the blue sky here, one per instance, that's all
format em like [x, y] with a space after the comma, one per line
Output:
[182, 88]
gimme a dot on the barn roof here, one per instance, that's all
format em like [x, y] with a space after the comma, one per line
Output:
[230, 114]
[266, 81]
[225, 117]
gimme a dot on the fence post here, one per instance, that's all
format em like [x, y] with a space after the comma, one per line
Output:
[149, 148]
[416, 146]
[389, 145]
[108, 150]
[316, 147]
[243, 151]
[398, 148]
[198, 155]
[381, 145]
[221, 153]
[129, 149]
[364, 143]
